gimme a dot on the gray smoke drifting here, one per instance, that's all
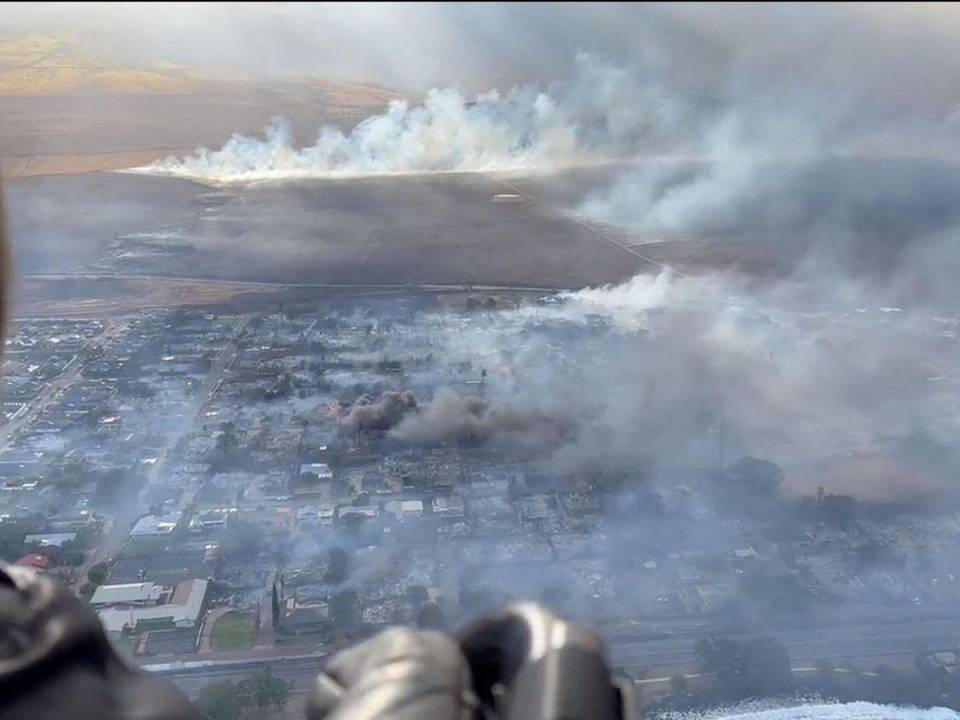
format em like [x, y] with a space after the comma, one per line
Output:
[666, 373]
[471, 420]
[598, 115]
[378, 415]
[832, 147]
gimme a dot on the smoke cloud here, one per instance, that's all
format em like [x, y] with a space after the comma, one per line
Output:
[665, 373]
[471, 420]
[378, 415]
[833, 147]
[596, 116]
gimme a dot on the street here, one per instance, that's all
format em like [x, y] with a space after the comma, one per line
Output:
[660, 657]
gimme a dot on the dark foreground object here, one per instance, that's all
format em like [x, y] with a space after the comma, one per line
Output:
[56, 664]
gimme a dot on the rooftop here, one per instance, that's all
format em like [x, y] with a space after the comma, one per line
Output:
[49, 539]
[184, 612]
[321, 470]
[154, 525]
[41, 562]
[143, 592]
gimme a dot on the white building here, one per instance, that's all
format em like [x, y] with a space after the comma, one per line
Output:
[448, 506]
[50, 539]
[358, 511]
[316, 515]
[405, 508]
[322, 471]
[156, 525]
[141, 594]
[183, 610]
[211, 520]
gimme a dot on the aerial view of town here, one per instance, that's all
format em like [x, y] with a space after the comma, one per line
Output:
[261, 483]
[642, 319]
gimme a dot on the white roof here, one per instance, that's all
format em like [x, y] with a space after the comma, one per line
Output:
[321, 470]
[322, 510]
[184, 615]
[405, 507]
[156, 525]
[364, 510]
[126, 593]
[448, 503]
[50, 539]
[194, 601]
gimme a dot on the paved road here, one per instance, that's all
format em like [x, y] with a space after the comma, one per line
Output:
[809, 644]
[121, 523]
[805, 646]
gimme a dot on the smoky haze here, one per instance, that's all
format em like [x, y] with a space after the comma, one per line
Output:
[824, 132]
[823, 136]
[665, 373]
[782, 383]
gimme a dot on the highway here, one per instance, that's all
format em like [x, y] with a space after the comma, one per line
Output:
[809, 644]
[658, 657]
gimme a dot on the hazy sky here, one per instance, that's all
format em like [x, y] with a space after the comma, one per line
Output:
[415, 46]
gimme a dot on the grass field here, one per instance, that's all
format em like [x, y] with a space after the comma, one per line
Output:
[234, 631]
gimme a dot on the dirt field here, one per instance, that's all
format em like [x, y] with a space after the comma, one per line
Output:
[425, 229]
[92, 298]
[63, 111]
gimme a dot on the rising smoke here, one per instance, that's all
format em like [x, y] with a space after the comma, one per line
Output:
[789, 141]
[665, 372]
[471, 420]
[378, 415]
[836, 142]
[598, 115]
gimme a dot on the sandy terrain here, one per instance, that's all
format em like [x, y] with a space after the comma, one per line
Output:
[62, 111]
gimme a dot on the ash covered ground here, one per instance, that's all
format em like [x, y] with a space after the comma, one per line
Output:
[636, 456]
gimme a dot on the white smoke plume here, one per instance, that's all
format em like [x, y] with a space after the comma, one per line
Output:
[774, 142]
[666, 371]
[595, 116]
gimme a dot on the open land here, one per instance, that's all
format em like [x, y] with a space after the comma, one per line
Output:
[174, 389]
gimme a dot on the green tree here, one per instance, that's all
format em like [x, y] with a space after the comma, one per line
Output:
[755, 476]
[275, 606]
[263, 690]
[97, 574]
[219, 701]
[225, 700]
